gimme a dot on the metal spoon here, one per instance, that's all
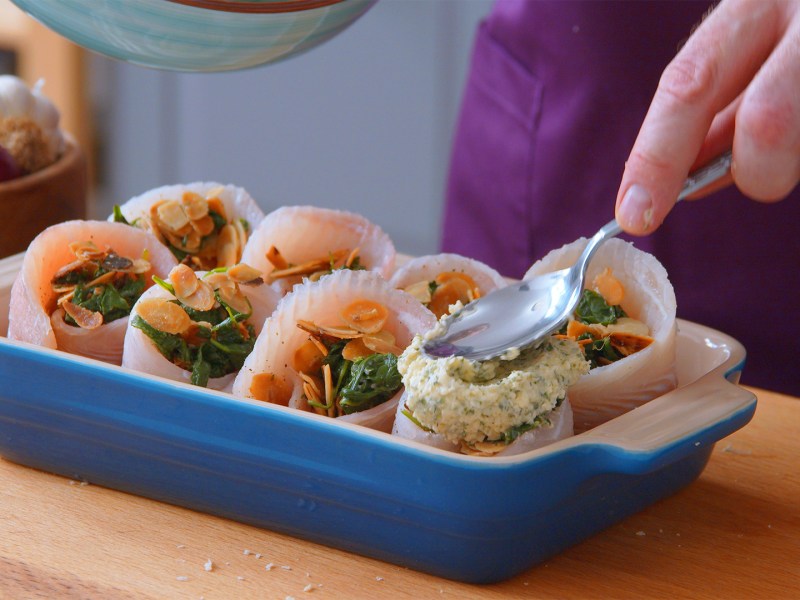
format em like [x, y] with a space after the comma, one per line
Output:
[523, 313]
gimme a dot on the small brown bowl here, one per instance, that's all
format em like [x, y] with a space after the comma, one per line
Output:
[32, 203]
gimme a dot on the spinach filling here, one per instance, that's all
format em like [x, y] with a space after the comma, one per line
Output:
[208, 352]
[363, 383]
[112, 298]
[593, 309]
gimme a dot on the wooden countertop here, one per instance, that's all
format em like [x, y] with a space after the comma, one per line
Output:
[734, 533]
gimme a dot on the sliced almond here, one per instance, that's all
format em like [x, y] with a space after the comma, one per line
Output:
[64, 289]
[150, 223]
[86, 319]
[351, 257]
[342, 333]
[629, 325]
[194, 205]
[227, 247]
[217, 279]
[482, 448]
[69, 268]
[271, 388]
[183, 280]
[327, 380]
[102, 279]
[320, 346]
[201, 299]
[244, 273]
[315, 383]
[215, 204]
[172, 217]
[276, 259]
[164, 315]
[140, 266]
[203, 226]
[627, 343]
[421, 290]
[241, 234]
[86, 250]
[233, 297]
[306, 268]
[382, 342]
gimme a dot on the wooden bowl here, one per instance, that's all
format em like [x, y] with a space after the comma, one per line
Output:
[32, 203]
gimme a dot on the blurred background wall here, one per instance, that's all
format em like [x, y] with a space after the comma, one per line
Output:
[363, 122]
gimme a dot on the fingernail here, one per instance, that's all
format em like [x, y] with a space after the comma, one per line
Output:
[636, 209]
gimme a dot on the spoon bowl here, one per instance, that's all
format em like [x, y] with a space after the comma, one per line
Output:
[522, 314]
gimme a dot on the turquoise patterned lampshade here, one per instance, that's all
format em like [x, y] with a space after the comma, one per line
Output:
[197, 35]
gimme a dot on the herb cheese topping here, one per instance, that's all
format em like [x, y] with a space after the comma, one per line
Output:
[496, 400]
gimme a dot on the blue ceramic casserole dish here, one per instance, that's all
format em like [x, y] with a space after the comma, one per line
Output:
[460, 517]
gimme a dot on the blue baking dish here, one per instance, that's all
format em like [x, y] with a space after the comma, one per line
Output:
[460, 517]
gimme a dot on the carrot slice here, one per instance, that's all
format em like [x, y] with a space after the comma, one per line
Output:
[268, 387]
[307, 358]
[355, 349]
[365, 316]
[609, 287]
[454, 289]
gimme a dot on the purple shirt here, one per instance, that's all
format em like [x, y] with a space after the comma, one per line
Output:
[556, 94]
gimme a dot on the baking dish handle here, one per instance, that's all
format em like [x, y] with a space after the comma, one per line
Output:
[674, 425]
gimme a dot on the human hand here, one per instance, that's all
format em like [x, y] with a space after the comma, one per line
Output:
[734, 84]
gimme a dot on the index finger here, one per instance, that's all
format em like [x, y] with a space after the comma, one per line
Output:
[706, 75]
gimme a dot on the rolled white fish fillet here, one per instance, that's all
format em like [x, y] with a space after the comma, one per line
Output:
[609, 391]
[140, 354]
[305, 233]
[561, 427]
[321, 302]
[426, 268]
[33, 298]
[237, 201]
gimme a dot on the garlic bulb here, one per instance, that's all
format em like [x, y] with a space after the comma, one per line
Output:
[29, 124]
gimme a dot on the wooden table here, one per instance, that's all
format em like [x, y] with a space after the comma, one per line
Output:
[734, 533]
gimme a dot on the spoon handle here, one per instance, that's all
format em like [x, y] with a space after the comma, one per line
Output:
[713, 171]
[696, 181]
